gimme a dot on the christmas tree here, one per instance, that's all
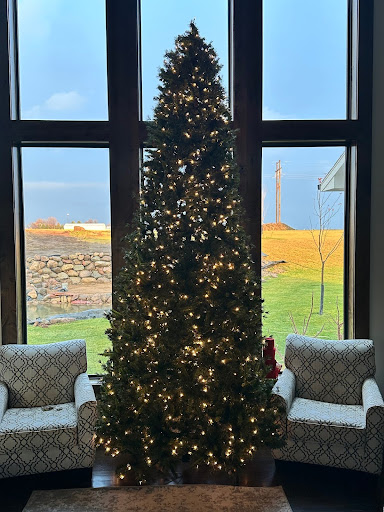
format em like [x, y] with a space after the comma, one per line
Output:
[185, 377]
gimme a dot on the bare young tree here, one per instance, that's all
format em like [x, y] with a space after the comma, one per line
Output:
[325, 211]
[338, 321]
[306, 323]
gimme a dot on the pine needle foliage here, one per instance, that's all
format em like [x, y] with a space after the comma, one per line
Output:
[185, 378]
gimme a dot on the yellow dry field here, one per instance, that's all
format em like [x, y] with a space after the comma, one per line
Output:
[300, 252]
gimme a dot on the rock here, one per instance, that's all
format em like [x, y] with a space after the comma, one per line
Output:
[55, 258]
[89, 265]
[32, 294]
[85, 273]
[45, 277]
[72, 256]
[96, 274]
[86, 257]
[99, 263]
[89, 280]
[76, 261]
[57, 270]
[66, 266]
[80, 256]
[66, 260]
[103, 280]
[34, 266]
[72, 273]
[95, 258]
[44, 258]
[42, 264]
[45, 270]
[106, 258]
[75, 280]
[78, 267]
[52, 264]
[41, 291]
[64, 257]
[61, 276]
[36, 280]
[36, 257]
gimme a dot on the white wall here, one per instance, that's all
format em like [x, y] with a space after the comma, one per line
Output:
[377, 211]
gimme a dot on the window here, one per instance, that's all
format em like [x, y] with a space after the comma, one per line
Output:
[163, 21]
[62, 56]
[314, 88]
[302, 257]
[67, 246]
[305, 59]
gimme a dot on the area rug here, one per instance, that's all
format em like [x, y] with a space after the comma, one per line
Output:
[167, 498]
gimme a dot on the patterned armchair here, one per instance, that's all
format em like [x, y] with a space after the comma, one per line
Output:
[334, 412]
[47, 408]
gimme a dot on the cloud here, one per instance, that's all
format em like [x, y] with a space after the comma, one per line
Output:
[272, 115]
[57, 102]
[35, 19]
[65, 101]
[57, 185]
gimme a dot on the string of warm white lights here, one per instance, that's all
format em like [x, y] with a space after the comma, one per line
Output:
[184, 378]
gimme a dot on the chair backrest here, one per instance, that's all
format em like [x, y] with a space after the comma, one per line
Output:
[38, 375]
[328, 370]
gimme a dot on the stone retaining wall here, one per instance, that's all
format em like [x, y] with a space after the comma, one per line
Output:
[50, 278]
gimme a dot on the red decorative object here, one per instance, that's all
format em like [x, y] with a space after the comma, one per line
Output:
[269, 355]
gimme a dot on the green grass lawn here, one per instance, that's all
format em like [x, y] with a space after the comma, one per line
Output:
[282, 295]
[289, 294]
[90, 330]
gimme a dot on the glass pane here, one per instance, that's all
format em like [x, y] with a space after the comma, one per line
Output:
[68, 246]
[304, 59]
[162, 22]
[303, 233]
[62, 55]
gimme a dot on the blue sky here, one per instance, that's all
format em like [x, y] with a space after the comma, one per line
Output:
[63, 76]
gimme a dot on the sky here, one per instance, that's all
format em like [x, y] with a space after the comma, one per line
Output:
[63, 76]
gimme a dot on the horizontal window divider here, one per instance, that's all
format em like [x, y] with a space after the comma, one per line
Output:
[310, 131]
[64, 132]
[296, 132]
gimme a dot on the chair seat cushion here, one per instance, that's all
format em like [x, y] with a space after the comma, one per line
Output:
[322, 422]
[39, 428]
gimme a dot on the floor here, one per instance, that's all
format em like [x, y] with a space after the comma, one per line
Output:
[308, 488]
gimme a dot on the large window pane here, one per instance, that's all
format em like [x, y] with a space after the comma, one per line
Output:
[68, 246]
[62, 49]
[305, 59]
[163, 21]
[302, 235]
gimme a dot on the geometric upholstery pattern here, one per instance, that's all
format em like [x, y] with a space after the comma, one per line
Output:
[322, 422]
[55, 436]
[328, 371]
[326, 423]
[39, 427]
[38, 375]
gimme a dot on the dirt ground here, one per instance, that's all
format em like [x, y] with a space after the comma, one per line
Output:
[47, 242]
[90, 288]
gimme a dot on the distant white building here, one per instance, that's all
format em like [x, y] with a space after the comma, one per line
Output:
[334, 180]
[100, 226]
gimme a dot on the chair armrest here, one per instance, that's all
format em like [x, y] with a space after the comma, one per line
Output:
[284, 390]
[373, 404]
[3, 399]
[85, 402]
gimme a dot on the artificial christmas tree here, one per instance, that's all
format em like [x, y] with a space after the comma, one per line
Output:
[185, 376]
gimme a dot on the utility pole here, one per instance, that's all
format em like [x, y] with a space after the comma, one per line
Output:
[278, 191]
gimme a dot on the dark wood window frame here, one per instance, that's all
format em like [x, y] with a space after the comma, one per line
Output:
[125, 134]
